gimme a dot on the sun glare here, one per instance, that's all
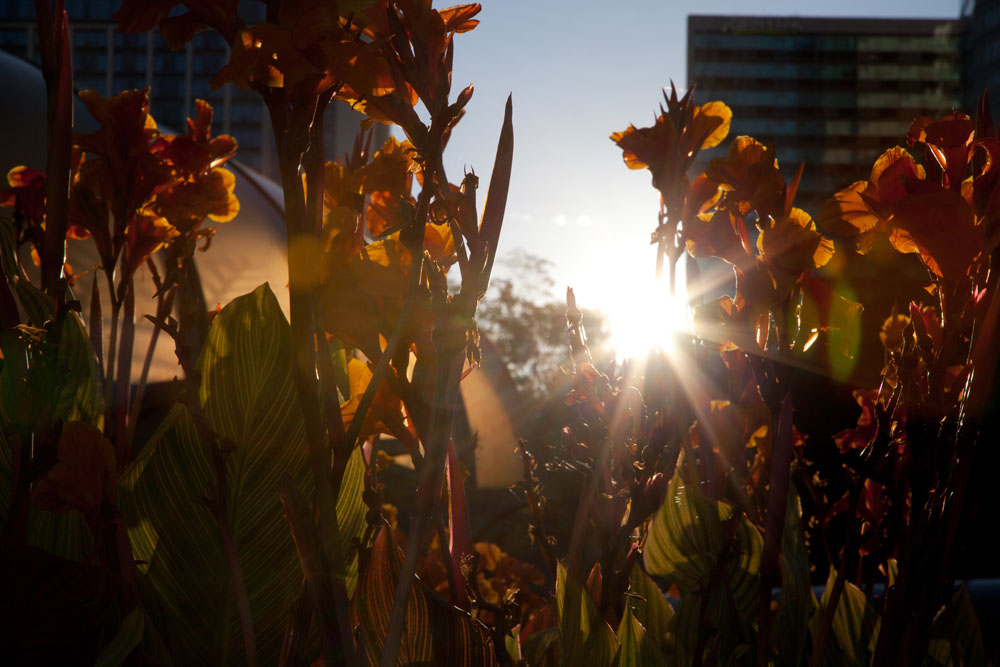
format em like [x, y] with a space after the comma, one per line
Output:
[642, 313]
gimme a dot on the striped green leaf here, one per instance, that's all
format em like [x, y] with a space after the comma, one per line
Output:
[539, 648]
[351, 510]
[65, 535]
[854, 631]
[435, 633]
[65, 380]
[128, 637]
[687, 537]
[714, 558]
[651, 609]
[64, 377]
[957, 622]
[637, 648]
[248, 399]
[584, 636]
[797, 601]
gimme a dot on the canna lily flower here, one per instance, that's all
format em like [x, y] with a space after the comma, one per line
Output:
[669, 147]
[919, 215]
[26, 194]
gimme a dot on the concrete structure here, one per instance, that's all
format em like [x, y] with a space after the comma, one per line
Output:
[833, 92]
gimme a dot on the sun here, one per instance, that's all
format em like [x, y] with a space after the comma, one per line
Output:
[642, 313]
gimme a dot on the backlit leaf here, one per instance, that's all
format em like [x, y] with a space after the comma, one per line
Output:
[128, 637]
[687, 537]
[797, 601]
[434, 632]
[248, 398]
[636, 650]
[584, 636]
[852, 635]
[651, 608]
[961, 624]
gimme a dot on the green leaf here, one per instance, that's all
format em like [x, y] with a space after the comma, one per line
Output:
[854, 630]
[962, 625]
[248, 399]
[893, 566]
[351, 510]
[80, 397]
[538, 648]
[684, 628]
[687, 537]
[64, 535]
[128, 637]
[8, 255]
[435, 633]
[63, 378]
[37, 305]
[651, 609]
[714, 557]
[512, 643]
[637, 649]
[584, 636]
[797, 602]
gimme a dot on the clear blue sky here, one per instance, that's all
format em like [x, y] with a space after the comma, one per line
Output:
[580, 70]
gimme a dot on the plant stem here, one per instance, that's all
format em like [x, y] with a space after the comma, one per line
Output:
[57, 70]
[303, 361]
[777, 506]
[449, 373]
[124, 377]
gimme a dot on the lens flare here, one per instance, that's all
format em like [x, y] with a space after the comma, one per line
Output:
[643, 314]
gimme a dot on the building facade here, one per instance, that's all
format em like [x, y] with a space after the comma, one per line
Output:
[833, 93]
[110, 62]
[981, 54]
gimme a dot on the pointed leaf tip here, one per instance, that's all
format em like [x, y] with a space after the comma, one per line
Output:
[496, 196]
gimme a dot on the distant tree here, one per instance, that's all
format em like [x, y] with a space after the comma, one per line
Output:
[525, 319]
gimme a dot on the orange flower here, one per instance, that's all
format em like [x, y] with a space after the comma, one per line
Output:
[26, 194]
[669, 147]
[201, 188]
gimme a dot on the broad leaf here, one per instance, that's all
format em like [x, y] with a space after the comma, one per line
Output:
[958, 623]
[797, 601]
[435, 633]
[248, 399]
[637, 648]
[128, 637]
[651, 608]
[539, 647]
[687, 538]
[351, 510]
[584, 636]
[852, 635]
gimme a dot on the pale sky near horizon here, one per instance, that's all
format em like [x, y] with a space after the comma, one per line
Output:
[578, 71]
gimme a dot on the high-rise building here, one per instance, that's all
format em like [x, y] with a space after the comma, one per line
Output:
[109, 62]
[832, 92]
[981, 54]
